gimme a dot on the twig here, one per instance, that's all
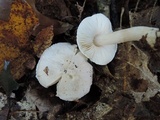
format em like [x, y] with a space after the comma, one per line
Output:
[130, 19]
[150, 19]
[121, 17]
[135, 9]
[81, 9]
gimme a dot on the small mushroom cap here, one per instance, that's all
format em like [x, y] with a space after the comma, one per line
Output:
[63, 63]
[88, 29]
[75, 83]
[51, 64]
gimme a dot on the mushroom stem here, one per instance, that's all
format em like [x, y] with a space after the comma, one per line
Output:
[125, 35]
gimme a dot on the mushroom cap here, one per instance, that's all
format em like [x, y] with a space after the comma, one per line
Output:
[51, 63]
[63, 63]
[89, 28]
[75, 83]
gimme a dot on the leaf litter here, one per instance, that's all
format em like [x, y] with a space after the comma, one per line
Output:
[118, 89]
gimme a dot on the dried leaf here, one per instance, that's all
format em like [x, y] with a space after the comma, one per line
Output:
[132, 62]
[43, 40]
[149, 17]
[42, 104]
[58, 8]
[7, 81]
[24, 110]
[5, 8]
[131, 65]
[14, 34]
[17, 30]
[44, 99]
[21, 64]
[20, 110]
[59, 27]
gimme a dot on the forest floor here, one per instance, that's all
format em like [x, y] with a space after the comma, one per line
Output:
[128, 88]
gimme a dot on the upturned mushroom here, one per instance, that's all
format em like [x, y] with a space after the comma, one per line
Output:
[63, 64]
[98, 42]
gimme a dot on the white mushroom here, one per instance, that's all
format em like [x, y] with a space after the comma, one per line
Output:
[63, 63]
[88, 29]
[97, 42]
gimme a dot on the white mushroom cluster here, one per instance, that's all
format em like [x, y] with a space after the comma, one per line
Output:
[63, 64]
[98, 42]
